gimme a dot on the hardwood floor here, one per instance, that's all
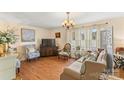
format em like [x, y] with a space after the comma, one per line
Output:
[46, 68]
[49, 68]
[119, 73]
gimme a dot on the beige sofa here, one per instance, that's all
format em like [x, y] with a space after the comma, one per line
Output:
[85, 69]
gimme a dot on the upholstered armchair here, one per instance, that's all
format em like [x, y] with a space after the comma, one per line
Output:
[32, 52]
[65, 52]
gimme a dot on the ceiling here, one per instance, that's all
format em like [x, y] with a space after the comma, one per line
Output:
[55, 19]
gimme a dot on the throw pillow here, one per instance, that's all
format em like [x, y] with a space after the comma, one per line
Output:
[102, 57]
[92, 56]
[84, 53]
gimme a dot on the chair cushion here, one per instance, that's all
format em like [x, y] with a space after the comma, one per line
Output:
[32, 55]
[63, 53]
[31, 49]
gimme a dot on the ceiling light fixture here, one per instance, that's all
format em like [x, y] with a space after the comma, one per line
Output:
[68, 23]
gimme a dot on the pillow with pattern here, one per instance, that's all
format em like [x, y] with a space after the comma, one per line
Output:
[92, 56]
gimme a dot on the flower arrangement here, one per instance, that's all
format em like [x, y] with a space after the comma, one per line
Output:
[8, 37]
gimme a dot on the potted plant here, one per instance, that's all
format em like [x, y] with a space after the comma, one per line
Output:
[6, 38]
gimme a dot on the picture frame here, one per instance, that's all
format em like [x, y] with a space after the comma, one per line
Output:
[27, 35]
[58, 35]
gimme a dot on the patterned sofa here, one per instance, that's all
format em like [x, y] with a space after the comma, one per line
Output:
[88, 67]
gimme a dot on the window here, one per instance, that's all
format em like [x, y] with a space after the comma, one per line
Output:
[93, 39]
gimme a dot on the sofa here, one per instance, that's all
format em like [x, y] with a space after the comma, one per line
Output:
[86, 67]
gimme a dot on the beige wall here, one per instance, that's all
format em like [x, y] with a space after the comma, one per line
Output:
[117, 23]
[39, 34]
[118, 31]
[59, 41]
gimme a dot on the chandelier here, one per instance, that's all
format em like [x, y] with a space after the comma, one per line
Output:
[68, 23]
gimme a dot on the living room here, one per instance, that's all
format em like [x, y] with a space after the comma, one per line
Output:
[61, 46]
[28, 32]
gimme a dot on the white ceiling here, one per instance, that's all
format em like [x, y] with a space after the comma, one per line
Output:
[55, 19]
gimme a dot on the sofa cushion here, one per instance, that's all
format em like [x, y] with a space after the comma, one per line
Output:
[84, 53]
[81, 59]
[63, 53]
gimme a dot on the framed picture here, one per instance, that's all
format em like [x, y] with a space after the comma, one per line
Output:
[58, 35]
[27, 35]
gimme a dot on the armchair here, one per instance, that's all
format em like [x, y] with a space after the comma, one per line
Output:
[32, 52]
[65, 52]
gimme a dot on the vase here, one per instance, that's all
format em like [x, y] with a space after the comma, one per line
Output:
[1, 49]
[6, 46]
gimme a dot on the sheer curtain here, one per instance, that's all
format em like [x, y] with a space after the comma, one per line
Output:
[88, 38]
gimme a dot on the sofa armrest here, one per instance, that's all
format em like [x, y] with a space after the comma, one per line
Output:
[93, 70]
[94, 62]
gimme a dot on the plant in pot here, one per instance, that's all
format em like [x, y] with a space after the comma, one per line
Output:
[6, 38]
